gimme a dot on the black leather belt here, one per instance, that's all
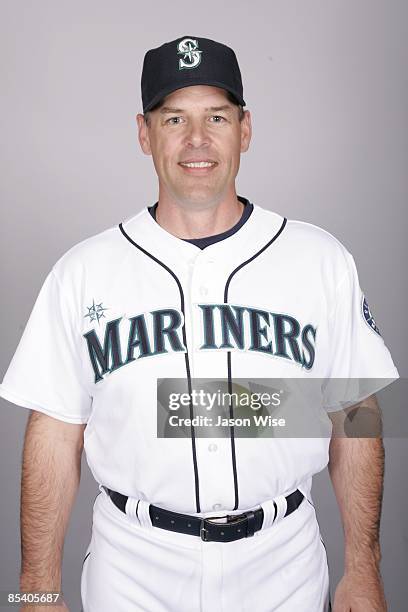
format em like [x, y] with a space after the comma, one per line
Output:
[237, 526]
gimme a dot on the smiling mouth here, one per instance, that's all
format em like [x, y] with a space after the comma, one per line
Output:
[198, 164]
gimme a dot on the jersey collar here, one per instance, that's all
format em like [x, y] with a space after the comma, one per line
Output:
[258, 230]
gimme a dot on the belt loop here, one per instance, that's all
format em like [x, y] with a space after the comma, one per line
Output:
[269, 509]
[281, 505]
[143, 513]
[131, 508]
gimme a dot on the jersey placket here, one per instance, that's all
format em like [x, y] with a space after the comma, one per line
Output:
[206, 281]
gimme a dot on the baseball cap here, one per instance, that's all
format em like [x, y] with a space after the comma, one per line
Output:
[187, 61]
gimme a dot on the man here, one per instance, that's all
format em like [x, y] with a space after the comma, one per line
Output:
[204, 284]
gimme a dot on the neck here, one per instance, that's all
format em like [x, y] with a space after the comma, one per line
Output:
[194, 220]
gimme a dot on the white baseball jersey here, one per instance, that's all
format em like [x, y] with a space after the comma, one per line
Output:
[278, 298]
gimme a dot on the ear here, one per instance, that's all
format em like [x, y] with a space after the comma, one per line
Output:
[246, 131]
[143, 130]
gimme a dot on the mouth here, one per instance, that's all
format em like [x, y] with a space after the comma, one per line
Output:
[204, 165]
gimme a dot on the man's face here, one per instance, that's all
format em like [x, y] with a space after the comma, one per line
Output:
[196, 140]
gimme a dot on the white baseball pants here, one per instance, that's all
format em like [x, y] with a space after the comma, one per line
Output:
[132, 566]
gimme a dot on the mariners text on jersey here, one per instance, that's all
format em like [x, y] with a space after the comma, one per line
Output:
[224, 327]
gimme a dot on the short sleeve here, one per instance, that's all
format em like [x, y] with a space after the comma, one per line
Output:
[360, 363]
[45, 371]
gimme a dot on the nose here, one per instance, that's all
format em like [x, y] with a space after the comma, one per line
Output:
[197, 135]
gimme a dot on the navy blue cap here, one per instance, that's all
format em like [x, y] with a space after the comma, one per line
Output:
[187, 61]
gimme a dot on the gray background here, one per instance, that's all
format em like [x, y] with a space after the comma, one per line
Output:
[327, 86]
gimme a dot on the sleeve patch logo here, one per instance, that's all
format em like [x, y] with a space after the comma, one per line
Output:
[368, 317]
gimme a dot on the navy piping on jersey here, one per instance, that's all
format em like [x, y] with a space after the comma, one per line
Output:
[227, 284]
[229, 367]
[202, 243]
[86, 556]
[186, 357]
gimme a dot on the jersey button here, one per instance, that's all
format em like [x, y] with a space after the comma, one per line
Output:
[217, 506]
[212, 447]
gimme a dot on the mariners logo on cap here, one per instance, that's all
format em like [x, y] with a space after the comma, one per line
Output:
[188, 48]
[368, 317]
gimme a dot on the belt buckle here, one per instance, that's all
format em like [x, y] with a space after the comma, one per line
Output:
[236, 518]
[203, 531]
[231, 520]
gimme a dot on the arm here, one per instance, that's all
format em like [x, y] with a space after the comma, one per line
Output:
[356, 468]
[50, 478]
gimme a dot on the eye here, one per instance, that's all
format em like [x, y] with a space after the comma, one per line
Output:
[217, 119]
[173, 120]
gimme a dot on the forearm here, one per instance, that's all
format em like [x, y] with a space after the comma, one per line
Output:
[356, 469]
[50, 478]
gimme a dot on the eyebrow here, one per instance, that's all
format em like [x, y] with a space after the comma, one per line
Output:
[168, 109]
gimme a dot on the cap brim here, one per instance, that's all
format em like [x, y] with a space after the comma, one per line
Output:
[189, 83]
